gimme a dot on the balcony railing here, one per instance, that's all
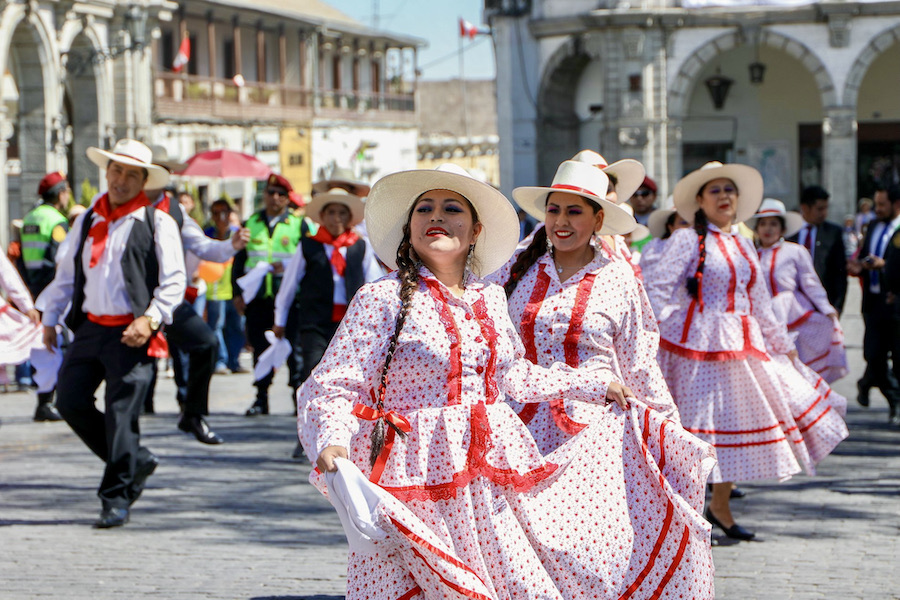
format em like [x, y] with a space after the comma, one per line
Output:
[180, 95]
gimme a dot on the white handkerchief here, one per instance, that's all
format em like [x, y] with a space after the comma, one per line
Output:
[272, 357]
[356, 499]
[46, 368]
[252, 280]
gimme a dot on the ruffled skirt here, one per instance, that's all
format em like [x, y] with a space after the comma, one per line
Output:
[620, 516]
[763, 417]
[18, 336]
[820, 345]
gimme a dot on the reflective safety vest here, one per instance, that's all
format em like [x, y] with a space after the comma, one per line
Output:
[39, 233]
[280, 246]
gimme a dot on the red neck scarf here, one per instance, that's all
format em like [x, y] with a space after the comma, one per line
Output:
[346, 239]
[100, 230]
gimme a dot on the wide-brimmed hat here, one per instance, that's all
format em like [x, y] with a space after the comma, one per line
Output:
[161, 158]
[770, 207]
[747, 179]
[582, 179]
[628, 173]
[656, 222]
[392, 197]
[342, 176]
[640, 231]
[135, 154]
[336, 196]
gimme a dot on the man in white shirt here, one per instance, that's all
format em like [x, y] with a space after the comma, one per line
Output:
[124, 277]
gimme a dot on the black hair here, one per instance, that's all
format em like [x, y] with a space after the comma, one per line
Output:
[535, 250]
[812, 193]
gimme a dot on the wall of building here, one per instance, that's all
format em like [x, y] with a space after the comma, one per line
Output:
[371, 151]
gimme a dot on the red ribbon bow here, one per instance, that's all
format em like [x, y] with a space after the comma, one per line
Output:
[368, 413]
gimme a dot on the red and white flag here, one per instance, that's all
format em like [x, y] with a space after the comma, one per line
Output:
[470, 30]
[183, 56]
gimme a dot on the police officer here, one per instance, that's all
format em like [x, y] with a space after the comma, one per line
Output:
[43, 230]
[274, 236]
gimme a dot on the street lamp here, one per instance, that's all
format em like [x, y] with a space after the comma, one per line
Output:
[757, 69]
[718, 86]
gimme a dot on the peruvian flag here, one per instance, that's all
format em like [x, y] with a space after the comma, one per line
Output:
[470, 30]
[184, 54]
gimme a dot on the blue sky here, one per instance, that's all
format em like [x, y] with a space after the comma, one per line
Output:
[436, 22]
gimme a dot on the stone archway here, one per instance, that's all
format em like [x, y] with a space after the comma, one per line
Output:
[778, 125]
[875, 48]
[687, 77]
[27, 61]
[558, 125]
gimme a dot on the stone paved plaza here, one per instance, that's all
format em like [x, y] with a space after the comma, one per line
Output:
[239, 521]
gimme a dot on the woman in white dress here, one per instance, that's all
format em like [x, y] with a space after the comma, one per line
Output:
[721, 342]
[798, 297]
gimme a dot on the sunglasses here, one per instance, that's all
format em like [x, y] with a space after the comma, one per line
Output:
[277, 192]
[642, 193]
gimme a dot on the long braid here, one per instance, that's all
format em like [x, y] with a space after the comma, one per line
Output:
[408, 272]
[695, 283]
[526, 259]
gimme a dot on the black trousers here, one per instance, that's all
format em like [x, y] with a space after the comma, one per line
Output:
[314, 341]
[97, 354]
[878, 343]
[259, 317]
[190, 334]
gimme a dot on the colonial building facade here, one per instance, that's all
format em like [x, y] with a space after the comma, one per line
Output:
[806, 92]
[299, 85]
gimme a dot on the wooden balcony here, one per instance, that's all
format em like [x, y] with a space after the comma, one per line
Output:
[190, 97]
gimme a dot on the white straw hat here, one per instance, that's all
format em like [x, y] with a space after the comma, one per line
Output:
[392, 197]
[640, 231]
[582, 179]
[628, 173]
[133, 153]
[656, 222]
[747, 179]
[770, 207]
[342, 176]
[337, 196]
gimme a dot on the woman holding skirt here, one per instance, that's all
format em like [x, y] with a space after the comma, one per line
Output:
[724, 353]
[414, 389]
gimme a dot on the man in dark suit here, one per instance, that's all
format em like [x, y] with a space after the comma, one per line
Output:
[825, 243]
[880, 339]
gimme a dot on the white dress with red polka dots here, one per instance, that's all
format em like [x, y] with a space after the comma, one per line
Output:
[601, 317]
[800, 301]
[467, 468]
[721, 356]
[18, 335]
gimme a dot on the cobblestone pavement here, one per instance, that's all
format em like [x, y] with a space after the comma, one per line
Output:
[240, 520]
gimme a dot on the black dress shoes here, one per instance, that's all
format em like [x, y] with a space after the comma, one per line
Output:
[735, 531]
[197, 425]
[863, 394]
[47, 412]
[260, 407]
[144, 470]
[111, 517]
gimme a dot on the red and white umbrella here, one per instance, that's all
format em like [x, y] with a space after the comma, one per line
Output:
[226, 164]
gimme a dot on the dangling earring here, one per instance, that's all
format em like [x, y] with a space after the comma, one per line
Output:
[470, 258]
[549, 246]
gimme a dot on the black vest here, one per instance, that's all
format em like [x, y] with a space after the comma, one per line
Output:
[140, 268]
[316, 295]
